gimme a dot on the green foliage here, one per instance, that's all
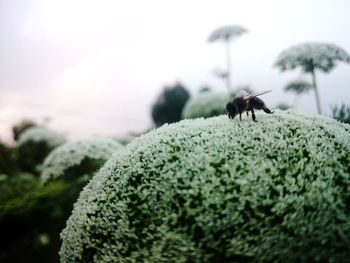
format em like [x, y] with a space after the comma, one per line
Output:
[31, 217]
[23, 194]
[169, 105]
[217, 190]
[341, 113]
[74, 163]
[32, 214]
[78, 158]
[311, 56]
[206, 104]
[33, 145]
[8, 161]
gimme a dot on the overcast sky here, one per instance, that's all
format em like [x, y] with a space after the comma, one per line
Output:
[96, 67]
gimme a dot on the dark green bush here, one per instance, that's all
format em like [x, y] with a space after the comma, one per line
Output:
[220, 190]
[8, 160]
[169, 104]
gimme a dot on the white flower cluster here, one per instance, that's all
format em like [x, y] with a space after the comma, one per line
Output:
[72, 154]
[226, 32]
[206, 104]
[310, 56]
[220, 190]
[40, 134]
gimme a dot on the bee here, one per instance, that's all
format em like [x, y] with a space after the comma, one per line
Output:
[244, 102]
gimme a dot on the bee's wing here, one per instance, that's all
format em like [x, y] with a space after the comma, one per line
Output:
[241, 94]
[255, 94]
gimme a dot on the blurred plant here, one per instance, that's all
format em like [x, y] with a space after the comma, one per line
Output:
[207, 104]
[282, 106]
[206, 190]
[221, 74]
[169, 104]
[32, 214]
[311, 57]
[36, 213]
[204, 88]
[27, 209]
[298, 86]
[44, 239]
[128, 138]
[38, 134]
[33, 145]
[8, 160]
[226, 34]
[22, 193]
[74, 160]
[21, 127]
[341, 113]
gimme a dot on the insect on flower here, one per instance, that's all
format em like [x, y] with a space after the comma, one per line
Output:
[244, 102]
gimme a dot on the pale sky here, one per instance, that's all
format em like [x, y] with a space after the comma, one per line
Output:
[96, 67]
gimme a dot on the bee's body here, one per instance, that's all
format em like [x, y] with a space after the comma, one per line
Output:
[242, 103]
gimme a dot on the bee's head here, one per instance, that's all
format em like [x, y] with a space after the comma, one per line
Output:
[231, 110]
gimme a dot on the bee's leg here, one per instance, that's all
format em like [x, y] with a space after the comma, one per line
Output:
[253, 115]
[267, 110]
[240, 116]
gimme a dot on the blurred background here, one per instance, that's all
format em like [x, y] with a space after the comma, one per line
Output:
[95, 67]
[73, 69]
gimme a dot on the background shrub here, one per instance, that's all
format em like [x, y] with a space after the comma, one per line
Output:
[220, 190]
[169, 104]
[33, 145]
[33, 214]
[206, 104]
[8, 159]
[20, 127]
[74, 159]
[341, 113]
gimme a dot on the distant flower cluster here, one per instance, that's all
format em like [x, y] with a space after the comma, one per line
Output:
[312, 56]
[218, 190]
[226, 32]
[73, 154]
[206, 104]
[40, 134]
